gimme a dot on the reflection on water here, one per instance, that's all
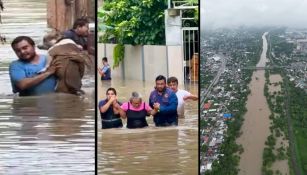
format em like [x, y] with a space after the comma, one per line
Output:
[51, 134]
[46, 135]
[170, 150]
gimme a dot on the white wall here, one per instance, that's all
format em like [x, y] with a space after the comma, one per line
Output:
[158, 60]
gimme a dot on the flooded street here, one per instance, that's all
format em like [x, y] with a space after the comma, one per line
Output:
[255, 128]
[51, 134]
[170, 150]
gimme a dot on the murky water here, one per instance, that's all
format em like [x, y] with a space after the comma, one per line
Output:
[52, 134]
[171, 150]
[255, 128]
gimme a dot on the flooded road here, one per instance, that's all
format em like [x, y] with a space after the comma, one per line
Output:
[255, 128]
[170, 150]
[52, 134]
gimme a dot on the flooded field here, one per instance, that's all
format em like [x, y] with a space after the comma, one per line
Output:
[255, 128]
[52, 134]
[171, 150]
[280, 165]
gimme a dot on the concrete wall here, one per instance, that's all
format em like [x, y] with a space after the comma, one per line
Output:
[145, 62]
[173, 33]
[155, 60]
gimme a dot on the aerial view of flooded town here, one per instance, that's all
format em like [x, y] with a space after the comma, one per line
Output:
[253, 93]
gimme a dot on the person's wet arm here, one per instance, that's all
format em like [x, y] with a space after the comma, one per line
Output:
[151, 102]
[121, 111]
[19, 78]
[190, 97]
[106, 106]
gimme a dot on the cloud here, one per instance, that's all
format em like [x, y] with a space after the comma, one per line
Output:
[234, 13]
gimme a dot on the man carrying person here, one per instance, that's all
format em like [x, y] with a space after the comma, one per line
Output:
[182, 95]
[79, 32]
[164, 100]
[26, 73]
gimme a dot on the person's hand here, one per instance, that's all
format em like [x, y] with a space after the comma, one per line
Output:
[113, 99]
[116, 105]
[156, 106]
[79, 47]
[53, 67]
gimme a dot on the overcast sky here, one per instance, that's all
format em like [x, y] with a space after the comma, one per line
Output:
[234, 13]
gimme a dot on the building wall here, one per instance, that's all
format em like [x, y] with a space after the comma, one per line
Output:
[173, 33]
[145, 62]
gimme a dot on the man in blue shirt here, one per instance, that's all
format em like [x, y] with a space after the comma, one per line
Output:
[165, 101]
[105, 71]
[25, 73]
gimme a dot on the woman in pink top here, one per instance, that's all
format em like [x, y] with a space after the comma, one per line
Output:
[136, 111]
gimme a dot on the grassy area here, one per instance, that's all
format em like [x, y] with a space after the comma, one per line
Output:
[301, 145]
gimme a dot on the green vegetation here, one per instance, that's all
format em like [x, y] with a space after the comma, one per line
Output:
[295, 105]
[118, 54]
[137, 22]
[228, 164]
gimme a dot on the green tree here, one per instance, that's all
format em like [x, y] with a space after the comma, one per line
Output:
[135, 22]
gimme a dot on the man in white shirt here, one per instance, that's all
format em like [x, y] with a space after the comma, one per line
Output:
[182, 95]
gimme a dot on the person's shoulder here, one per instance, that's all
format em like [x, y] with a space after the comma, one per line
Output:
[170, 91]
[152, 92]
[68, 33]
[42, 56]
[102, 102]
[181, 91]
[15, 63]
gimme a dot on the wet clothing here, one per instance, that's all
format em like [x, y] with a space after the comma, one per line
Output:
[20, 70]
[71, 34]
[108, 118]
[136, 118]
[180, 108]
[73, 63]
[107, 72]
[167, 115]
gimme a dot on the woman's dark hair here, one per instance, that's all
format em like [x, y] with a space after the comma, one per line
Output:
[111, 89]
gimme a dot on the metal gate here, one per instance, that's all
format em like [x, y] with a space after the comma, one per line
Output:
[190, 42]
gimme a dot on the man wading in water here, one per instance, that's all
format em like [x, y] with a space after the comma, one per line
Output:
[25, 73]
[165, 101]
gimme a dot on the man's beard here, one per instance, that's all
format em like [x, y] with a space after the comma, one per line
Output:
[29, 59]
[162, 90]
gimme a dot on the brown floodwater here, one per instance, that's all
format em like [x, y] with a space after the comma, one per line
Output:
[51, 134]
[255, 128]
[170, 150]
[280, 165]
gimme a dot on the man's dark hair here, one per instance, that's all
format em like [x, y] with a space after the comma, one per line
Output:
[161, 77]
[80, 23]
[21, 38]
[172, 80]
[105, 59]
[111, 89]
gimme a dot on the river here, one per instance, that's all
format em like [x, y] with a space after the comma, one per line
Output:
[255, 128]
[51, 134]
[170, 150]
